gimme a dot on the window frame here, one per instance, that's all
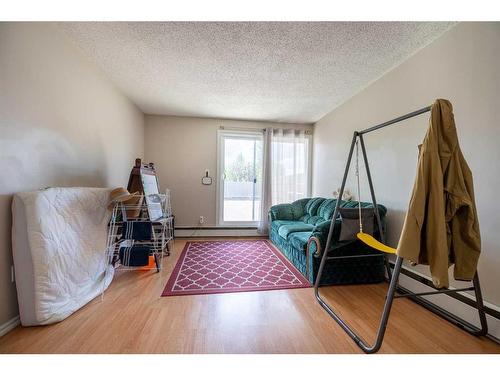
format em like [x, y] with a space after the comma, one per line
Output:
[221, 135]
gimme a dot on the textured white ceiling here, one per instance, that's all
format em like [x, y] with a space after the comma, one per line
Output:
[271, 71]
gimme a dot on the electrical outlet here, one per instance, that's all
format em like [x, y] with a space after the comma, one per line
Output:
[202, 219]
[12, 275]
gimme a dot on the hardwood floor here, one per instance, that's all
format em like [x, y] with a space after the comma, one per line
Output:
[133, 318]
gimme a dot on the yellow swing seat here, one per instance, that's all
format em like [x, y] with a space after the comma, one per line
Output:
[373, 243]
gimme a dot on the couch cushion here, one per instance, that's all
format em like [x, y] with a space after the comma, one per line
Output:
[312, 205]
[310, 210]
[276, 224]
[298, 208]
[314, 220]
[354, 204]
[286, 229]
[326, 208]
[299, 239]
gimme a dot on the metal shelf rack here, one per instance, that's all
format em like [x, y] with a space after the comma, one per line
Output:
[161, 237]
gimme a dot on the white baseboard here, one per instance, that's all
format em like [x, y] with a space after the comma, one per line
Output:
[216, 232]
[9, 325]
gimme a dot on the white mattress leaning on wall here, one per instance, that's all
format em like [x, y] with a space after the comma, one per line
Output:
[58, 244]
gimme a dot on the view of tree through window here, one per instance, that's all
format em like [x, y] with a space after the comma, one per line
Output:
[241, 169]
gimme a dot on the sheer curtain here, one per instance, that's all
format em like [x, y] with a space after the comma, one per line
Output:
[266, 201]
[289, 165]
[286, 169]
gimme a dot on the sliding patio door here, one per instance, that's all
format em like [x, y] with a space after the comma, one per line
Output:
[239, 178]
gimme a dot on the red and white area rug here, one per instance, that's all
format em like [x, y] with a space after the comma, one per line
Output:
[232, 266]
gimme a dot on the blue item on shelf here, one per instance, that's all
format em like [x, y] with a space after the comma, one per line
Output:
[135, 256]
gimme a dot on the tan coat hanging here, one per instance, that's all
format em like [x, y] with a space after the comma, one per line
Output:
[441, 225]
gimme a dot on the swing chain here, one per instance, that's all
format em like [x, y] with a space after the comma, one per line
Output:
[359, 188]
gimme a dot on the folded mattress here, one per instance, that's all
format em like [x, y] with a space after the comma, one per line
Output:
[58, 245]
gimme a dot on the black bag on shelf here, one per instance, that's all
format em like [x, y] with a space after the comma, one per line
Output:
[137, 230]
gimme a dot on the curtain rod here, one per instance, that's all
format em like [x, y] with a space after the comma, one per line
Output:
[260, 129]
[397, 119]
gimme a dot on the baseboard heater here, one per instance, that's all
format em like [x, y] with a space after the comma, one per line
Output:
[201, 228]
[214, 231]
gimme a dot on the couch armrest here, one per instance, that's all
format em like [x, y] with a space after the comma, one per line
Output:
[313, 245]
[324, 226]
[320, 235]
[281, 212]
[288, 211]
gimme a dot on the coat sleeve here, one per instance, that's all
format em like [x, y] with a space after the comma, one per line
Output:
[410, 240]
[424, 237]
[461, 214]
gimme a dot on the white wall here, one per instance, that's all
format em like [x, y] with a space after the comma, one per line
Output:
[62, 123]
[462, 66]
[182, 148]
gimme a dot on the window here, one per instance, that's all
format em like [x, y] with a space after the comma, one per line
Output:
[239, 177]
[240, 167]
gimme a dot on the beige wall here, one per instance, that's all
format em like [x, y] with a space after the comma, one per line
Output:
[182, 149]
[62, 123]
[462, 66]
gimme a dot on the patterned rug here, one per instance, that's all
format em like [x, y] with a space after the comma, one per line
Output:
[232, 266]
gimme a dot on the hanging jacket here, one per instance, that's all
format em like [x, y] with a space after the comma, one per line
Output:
[441, 226]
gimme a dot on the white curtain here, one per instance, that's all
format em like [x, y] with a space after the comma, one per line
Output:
[289, 165]
[286, 169]
[266, 193]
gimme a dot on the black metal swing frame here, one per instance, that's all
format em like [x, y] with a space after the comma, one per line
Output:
[393, 275]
